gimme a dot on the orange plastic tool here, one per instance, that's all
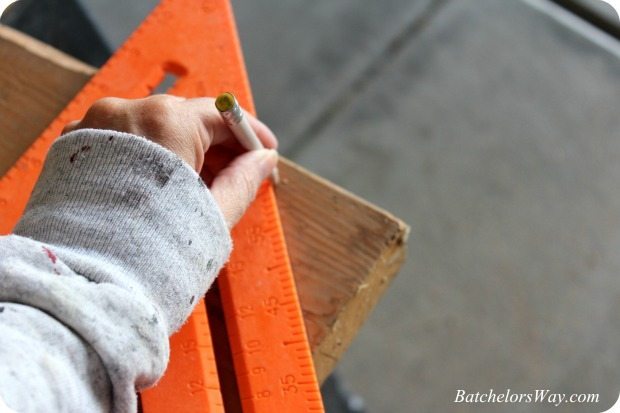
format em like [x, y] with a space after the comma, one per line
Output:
[197, 42]
[266, 330]
[191, 383]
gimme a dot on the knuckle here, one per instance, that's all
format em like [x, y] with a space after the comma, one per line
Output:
[160, 104]
[159, 110]
[106, 106]
[103, 113]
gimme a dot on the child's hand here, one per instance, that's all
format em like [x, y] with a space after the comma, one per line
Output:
[195, 131]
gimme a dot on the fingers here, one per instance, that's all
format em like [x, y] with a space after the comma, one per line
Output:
[235, 186]
[218, 130]
[266, 136]
[188, 127]
[198, 111]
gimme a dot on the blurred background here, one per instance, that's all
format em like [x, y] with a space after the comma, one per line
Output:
[492, 128]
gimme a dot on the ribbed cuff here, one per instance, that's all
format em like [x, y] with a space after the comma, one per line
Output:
[121, 209]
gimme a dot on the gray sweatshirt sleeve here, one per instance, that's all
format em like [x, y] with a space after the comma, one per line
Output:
[117, 244]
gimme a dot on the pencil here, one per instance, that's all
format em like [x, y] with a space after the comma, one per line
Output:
[235, 118]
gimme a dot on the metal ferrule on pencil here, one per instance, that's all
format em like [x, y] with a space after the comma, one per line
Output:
[234, 115]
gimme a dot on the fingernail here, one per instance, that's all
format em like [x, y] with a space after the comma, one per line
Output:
[269, 156]
[268, 160]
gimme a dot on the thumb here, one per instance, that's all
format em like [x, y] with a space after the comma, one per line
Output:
[235, 186]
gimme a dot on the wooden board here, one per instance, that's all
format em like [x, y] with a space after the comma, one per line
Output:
[344, 251]
[36, 82]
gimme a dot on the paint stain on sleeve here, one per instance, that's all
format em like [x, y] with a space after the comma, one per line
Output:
[50, 255]
[74, 156]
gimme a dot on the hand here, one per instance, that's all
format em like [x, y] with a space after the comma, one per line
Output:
[194, 130]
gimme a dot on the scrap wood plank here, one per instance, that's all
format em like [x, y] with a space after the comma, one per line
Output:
[27, 108]
[343, 250]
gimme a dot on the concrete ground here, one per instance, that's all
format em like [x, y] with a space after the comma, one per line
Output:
[491, 126]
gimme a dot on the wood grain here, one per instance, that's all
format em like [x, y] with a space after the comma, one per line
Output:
[36, 82]
[344, 251]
